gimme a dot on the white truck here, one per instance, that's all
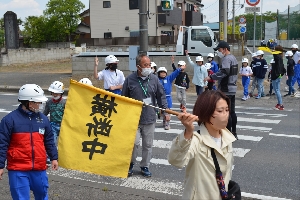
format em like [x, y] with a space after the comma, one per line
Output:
[198, 40]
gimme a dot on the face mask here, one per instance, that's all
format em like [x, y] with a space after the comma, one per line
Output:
[41, 107]
[57, 97]
[209, 59]
[220, 121]
[113, 67]
[294, 51]
[146, 71]
[220, 54]
[153, 70]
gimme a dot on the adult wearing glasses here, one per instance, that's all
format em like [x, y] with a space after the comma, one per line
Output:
[143, 85]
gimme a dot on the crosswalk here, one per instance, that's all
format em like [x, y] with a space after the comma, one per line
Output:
[248, 130]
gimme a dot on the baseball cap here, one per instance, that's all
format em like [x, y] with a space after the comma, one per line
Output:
[222, 44]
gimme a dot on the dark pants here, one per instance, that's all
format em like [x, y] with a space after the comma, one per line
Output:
[199, 89]
[209, 86]
[232, 120]
[271, 88]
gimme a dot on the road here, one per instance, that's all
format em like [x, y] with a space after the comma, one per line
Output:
[266, 157]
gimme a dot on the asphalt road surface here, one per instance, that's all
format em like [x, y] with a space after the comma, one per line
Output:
[266, 165]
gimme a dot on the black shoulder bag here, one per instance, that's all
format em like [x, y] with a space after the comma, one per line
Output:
[234, 191]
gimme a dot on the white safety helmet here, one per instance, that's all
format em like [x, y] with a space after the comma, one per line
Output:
[259, 53]
[57, 87]
[254, 55]
[272, 61]
[207, 65]
[181, 62]
[294, 46]
[162, 69]
[199, 58]
[32, 92]
[111, 59]
[210, 55]
[153, 64]
[289, 53]
[245, 60]
[86, 81]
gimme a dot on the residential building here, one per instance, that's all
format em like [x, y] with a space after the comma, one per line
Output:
[120, 18]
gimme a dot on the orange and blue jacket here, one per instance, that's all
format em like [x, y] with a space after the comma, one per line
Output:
[25, 137]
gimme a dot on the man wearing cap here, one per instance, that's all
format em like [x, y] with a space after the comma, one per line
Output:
[25, 137]
[227, 77]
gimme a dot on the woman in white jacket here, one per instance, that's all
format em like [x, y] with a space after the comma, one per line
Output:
[200, 73]
[193, 149]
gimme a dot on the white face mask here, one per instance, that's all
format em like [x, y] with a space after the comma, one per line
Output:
[220, 54]
[41, 107]
[146, 71]
[57, 97]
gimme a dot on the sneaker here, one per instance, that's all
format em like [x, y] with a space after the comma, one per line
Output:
[258, 97]
[263, 95]
[248, 97]
[167, 127]
[145, 171]
[277, 106]
[281, 107]
[130, 171]
[244, 98]
[287, 95]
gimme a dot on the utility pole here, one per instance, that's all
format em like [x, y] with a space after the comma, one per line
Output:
[143, 17]
[223, 18]
[233, 19]
[288, 24]
[261, 24]
[254, 30]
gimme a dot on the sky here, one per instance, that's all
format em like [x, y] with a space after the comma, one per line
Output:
[25, 8]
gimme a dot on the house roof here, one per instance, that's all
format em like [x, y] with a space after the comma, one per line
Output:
[84, 12]
[84, 24]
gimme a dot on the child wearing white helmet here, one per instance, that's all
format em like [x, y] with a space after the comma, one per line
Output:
[166, 81]
[26, 136]
[246, 73]
[86, 81]
[112, 77]
[296, 57]
[182, 83]
[153, 67]
[290, 73]
[200, 73]
[210, 83]
[55, 107]
[259, 71]
[254, 80]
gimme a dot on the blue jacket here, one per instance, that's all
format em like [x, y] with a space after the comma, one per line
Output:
[214, 67]
[25, 137]
[167, 81]
[260, 68]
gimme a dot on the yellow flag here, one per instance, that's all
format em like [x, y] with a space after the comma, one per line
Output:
[267, 49]
[98, 131]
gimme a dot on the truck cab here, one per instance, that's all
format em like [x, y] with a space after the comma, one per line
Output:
[198, 40]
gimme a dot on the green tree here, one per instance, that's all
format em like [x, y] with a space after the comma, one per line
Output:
[66, 12]
[35, 30]
[2, 33]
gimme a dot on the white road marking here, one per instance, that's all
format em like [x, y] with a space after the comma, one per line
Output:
[156, 161]
[260, 108]
[254, 128]
[249, 138]
[138, 182]
[284, 135]
[261, 114]
[265, 121]
[240, 152]
[257, 196]
[4, 111]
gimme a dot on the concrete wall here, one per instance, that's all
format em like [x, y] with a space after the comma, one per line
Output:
[19, 56]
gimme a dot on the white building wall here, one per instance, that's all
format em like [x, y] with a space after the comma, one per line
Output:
[117, 17]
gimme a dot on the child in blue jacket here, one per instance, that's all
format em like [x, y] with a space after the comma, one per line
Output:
[166, 81]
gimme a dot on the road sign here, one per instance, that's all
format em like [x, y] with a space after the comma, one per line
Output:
[252, 2]
[242, 20]
[243, 29]
[252, 9]
[221, 30]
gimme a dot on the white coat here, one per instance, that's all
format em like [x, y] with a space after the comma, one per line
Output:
[200, 176]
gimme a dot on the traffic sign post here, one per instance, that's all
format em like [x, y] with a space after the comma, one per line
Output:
[242, 20]
[253, 3]
[252, 9]
[243, 29]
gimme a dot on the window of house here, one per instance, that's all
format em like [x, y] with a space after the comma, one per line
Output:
[179, 5]
[106, 4]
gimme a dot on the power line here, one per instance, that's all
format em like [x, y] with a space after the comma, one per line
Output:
[210, 5]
